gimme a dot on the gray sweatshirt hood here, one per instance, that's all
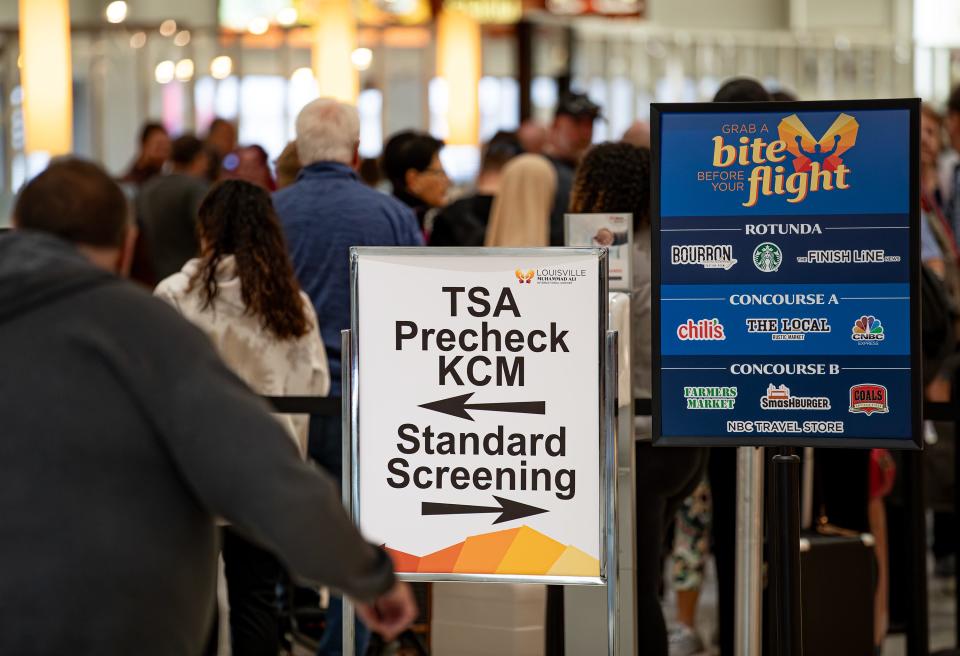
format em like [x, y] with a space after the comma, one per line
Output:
[37, 269]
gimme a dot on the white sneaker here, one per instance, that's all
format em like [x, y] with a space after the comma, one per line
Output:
[684, 641]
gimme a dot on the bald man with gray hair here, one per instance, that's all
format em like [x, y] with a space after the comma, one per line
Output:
[325, 212]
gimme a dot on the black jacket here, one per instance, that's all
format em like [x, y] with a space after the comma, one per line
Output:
[122, 437]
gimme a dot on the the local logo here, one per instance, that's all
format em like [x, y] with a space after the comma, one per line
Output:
[524, 277]
[704, 330]
[848, 256]
[709, 256]
[817, 163]
[710, 398]
[867, 330]
[778, 397]
[767, 257]
[869, 399]
[788, 328]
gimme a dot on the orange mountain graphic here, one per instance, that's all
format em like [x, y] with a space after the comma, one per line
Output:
[513, 551]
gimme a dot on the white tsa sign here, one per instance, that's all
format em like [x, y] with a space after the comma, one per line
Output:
[478, 416]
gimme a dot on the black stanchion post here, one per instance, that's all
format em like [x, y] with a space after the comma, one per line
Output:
[785, 554]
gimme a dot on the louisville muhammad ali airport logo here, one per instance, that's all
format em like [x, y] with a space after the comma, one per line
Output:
[867, 330]
[524, 276]
[767, 257]
[817, 163]
[559, 275]
[869, 399]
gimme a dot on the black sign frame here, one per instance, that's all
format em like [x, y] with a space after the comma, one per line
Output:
[912, 105]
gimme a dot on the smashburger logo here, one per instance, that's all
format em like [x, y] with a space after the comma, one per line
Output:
[868, 399]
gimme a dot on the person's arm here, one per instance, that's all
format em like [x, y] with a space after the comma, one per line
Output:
[237, 459]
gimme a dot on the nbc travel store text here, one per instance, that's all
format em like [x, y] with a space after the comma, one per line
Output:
[784, 298]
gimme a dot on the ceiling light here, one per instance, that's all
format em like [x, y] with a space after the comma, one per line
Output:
[164, 72]
[258, 25]
[221, 67]
[116, 12]
[168, 27]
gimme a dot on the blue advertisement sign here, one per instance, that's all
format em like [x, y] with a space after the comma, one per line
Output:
[785, 274]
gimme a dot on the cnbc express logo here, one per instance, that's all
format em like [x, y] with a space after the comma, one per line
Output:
[767, 257]
[867, 330]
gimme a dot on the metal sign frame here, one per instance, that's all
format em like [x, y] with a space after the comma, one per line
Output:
[912, 106]
[607, 424]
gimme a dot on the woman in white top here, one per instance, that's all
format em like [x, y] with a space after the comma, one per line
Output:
[242, 292]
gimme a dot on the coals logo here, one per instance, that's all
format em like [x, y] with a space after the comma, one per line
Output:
[779, 398]
[767, 257]
[817, 163]
[867, 330]
[704, 330]
[869, 399]
[709, 256]
[524, 277]
[710, 398]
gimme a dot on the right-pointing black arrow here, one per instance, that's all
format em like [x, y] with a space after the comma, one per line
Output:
[509, 510]
[457, 406]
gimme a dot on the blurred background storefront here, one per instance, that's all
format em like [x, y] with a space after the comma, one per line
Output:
[462, 69]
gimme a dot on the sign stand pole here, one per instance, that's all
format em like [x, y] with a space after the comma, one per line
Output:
[346, 393]
[786, 620]
[610, 462]
[749, 550]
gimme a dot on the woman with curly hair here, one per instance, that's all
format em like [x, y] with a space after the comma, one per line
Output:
[615, 178]
[242, 293]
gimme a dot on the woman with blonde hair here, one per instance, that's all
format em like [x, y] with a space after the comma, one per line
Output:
[521, 209]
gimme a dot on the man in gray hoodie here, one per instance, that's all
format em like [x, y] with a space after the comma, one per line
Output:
[123, 437]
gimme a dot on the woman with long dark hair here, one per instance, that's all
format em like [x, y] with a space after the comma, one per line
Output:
[615, 178]
[242, 293]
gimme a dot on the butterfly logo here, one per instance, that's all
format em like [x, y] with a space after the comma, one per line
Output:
[826, 151]
[525, 277]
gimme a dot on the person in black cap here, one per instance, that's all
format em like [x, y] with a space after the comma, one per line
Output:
[571, 134]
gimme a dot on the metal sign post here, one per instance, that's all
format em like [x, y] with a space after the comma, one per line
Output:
[748, 598]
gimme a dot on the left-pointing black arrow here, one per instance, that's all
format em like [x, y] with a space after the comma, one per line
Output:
[509, 510]
[457, 406]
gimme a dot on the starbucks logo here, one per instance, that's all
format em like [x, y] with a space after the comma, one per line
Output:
[767, 257]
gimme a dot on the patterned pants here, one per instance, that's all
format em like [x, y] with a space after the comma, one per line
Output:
[691, 541]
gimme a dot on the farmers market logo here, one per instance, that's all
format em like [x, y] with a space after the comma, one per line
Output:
[710, 398]
[762, 163]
